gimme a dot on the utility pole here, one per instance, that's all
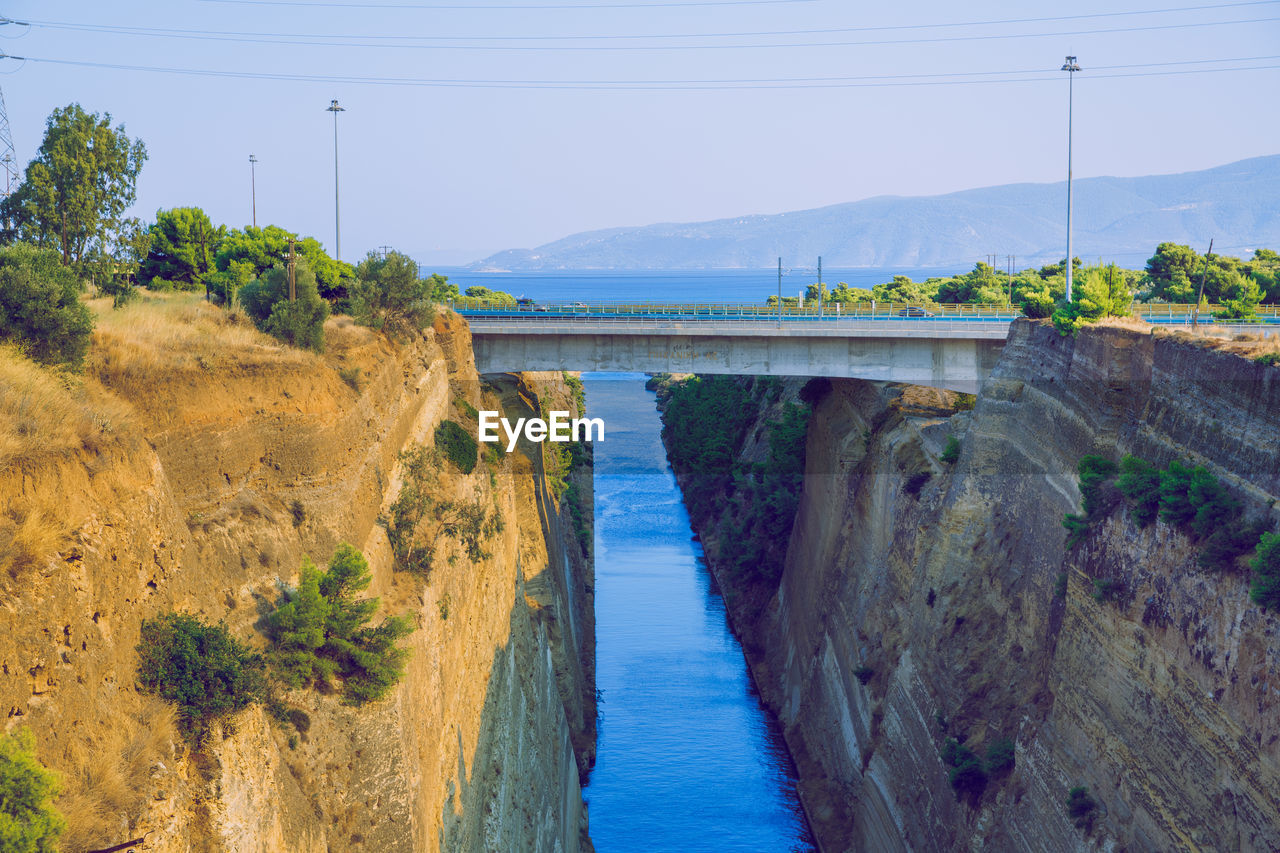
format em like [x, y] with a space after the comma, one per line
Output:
[820, 300]
[253, 186]
[1009, 258]
[1071, 67]
[10, 157]
[1195, 312]
[779, 293]
[337, 232]
[293, 294]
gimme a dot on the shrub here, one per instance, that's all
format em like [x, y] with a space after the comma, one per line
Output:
[40, 308]
[322, 628]
[1265, 590]
[1081, 807]
[916, 482]
[415, 508]
[1095, 471]
[1000, 756]
[952, 451]
[457, 445]
[967, 775]
[200, 667]
[299, 322]
[29, 823]
[1107, 589]
[1139, 482]
[389, 296]
[1271, 359]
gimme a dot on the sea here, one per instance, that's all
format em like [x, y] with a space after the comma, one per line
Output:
[749, 287]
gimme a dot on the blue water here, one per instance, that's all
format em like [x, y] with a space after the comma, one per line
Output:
[688, 759]
[719, 286]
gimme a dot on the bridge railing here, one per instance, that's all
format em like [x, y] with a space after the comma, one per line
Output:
[1153, 312]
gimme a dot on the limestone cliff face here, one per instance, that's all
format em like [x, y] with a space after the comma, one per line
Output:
[233, 471]
[957, 603]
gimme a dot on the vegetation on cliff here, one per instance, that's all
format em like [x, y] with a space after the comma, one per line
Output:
[321, 629]
[199, 667]
[29, 823]
[705, 424]
[418, 519]
[1189, 498]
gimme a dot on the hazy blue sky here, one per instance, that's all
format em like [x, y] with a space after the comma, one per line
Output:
[477, 169]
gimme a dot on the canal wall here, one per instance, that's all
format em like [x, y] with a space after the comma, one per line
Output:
[930, 611]
[205, 464]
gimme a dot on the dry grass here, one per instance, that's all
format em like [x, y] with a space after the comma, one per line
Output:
[1130, 322]
[171, 333]
[107, 783]
[28, 535]
[46, 411]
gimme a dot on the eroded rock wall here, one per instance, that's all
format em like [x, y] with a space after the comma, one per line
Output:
[956, 601]
[208, 504]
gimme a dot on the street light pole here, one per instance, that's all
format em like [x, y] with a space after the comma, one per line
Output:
[1071, 67]
[337, 232]
[253, 186]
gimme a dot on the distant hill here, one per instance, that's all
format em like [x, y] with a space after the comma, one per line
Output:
[1238, 204]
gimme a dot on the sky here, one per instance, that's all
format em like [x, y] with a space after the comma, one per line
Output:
[524, 121]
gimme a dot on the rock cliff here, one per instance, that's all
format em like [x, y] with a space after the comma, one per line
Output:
[923, 600]
[232, 459]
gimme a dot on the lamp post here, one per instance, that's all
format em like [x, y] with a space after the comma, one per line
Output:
[1071, 67]
[337, 232]
[253, 186]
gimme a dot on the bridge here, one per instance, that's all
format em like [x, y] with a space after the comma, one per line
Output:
[942, 352]
[945, 346]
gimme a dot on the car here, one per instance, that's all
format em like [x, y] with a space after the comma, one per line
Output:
[914, 311]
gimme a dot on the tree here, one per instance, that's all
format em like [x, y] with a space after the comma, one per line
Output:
[183, 244]
[1099, 292]
[1240, 296]
[200, 667]
[268, 246]
[79, 185]
[323, 628]
[442, 290]
[492, 297]
[117, 266]
[300, 321]
[40, 307]
[903, 289]
[1265, 590]
[29, 823]
[389, 296]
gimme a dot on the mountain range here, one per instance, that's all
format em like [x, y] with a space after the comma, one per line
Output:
[1115, 218]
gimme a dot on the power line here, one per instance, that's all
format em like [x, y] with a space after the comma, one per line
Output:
[287, 40]
[162, 31]
[643, 85]
[507, 8]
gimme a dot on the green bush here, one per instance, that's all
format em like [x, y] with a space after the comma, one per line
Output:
[1271, 359]
[952, 451]
[1095, 473]
[1139, 482]
[1001, 754]
[457, 445]
[1265, 590]
[29, 823]
[417, 519]
[299, 322]
[1081, 807]
[183, 244]
[389, 296]
[321, 629]
[967, 774]
[200, 667]
[40, 307]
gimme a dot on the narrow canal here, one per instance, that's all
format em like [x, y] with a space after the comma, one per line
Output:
[688, 758]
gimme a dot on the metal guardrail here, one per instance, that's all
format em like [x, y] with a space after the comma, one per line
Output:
[1151, 312]
[846, 327]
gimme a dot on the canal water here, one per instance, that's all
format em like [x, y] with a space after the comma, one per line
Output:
[688, 759]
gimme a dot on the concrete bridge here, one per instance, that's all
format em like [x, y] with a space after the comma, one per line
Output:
[943, 352]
